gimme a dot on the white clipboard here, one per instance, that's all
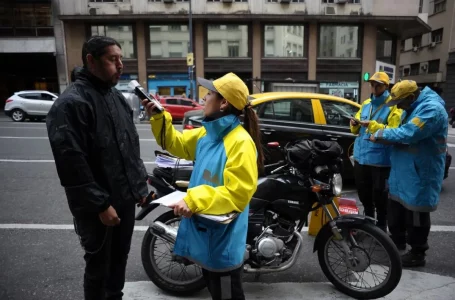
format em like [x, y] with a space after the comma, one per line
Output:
[176, 196]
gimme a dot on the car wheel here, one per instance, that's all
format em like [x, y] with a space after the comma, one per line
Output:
[18, 115]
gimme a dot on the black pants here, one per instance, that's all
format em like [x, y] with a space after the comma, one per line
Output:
[371, 184]
[416, 225]
[225, 286]
[106, 254]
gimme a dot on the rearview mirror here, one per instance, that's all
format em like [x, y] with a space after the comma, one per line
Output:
[273, 145]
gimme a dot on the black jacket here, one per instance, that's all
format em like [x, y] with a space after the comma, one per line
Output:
[96, 147]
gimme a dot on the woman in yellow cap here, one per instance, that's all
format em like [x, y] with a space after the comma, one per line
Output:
[228, 157]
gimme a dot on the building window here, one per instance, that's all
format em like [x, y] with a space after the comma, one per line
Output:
[433, 66]
[439, 6]
[162, 0]
[436, 36]
[123, 34]
[222, 0]
[227, 41]
[333, 1]
[415, 69]
[417, 41]
[293, 1]
[109, 1]
[330, 41]
[402, 45]
[168, 41]
[385, 47]
[420, 6]
[284, 40]
[26, 19]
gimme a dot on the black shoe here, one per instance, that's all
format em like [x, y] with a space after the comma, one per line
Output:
[413, 259]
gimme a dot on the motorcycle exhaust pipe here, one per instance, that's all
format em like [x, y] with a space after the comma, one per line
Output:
[164, 231]
[290, 263]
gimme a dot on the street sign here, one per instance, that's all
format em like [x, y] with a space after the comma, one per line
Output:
[190, 59]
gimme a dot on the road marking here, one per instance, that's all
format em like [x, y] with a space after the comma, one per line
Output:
[450, 145]
[46, 138]
[434, 228]
[49, 161]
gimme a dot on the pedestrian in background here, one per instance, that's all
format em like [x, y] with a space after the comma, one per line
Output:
[418, 160]
[96, 150]
[372, 161]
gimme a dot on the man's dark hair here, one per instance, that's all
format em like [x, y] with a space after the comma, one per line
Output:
[96, 46]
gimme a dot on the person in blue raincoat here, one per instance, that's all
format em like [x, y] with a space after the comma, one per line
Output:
[372, 161]
[418, 159]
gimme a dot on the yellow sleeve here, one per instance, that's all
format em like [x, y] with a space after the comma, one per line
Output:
[355, 129]
[393, 121]
[182, 145]
[240, 180]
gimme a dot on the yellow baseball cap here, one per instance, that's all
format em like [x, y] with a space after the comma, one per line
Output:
[401, 91]
[231, 87]
[380, 77]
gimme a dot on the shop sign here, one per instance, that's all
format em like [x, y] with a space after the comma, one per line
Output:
[387, 68]
[339, 85]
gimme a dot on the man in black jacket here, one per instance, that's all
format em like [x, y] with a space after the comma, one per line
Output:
[96, 151]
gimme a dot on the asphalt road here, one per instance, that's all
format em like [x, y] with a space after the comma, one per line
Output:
[48, 264]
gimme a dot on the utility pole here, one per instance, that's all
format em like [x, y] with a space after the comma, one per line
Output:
[190, 56]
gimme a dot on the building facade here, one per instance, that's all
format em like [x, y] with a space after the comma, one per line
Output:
[303, 45]
[31, 47]
[425, 57]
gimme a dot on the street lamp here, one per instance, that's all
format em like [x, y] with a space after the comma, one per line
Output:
[190, 56]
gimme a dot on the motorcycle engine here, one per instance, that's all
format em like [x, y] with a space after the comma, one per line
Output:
[270, 247]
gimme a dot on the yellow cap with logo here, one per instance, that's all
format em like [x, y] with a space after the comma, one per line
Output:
[231, 87]
[401, 90]
[380, 77]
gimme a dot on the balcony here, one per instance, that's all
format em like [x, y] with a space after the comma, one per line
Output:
[425, 78]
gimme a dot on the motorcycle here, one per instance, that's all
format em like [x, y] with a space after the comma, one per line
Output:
[308, 178]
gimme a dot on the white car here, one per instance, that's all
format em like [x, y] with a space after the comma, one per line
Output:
[29, 104]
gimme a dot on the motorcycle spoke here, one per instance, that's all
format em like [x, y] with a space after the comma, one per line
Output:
[368, 277]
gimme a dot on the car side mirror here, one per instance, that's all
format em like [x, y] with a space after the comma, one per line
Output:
[273, 145]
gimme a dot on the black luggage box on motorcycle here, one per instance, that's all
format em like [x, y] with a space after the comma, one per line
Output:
[173, 174]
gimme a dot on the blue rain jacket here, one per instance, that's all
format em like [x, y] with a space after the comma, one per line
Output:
[374, 109]
[418, 161]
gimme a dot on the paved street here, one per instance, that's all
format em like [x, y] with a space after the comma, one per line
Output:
[40, 256]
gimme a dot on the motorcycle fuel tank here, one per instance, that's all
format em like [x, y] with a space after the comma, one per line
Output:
[285, 194]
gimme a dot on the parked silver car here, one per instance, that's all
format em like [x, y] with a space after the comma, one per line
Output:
[29, 104]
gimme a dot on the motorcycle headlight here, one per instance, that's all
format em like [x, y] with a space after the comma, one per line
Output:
[337, 184]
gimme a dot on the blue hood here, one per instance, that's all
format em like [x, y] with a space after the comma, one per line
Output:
[218, 128]
[427, 94]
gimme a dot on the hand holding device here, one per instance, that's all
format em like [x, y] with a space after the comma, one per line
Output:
[142, 94]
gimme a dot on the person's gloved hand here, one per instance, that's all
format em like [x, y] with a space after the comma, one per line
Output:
[374, 126]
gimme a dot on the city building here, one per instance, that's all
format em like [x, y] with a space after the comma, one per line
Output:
[30, 54]
[301, 45]
[429, 58]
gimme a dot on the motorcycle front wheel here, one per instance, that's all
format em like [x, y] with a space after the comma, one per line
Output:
[374, 268]
[173, 275]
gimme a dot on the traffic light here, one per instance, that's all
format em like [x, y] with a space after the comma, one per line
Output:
[366, 76]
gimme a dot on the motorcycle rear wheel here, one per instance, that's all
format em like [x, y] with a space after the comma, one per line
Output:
[151, 268]
[378, 238]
